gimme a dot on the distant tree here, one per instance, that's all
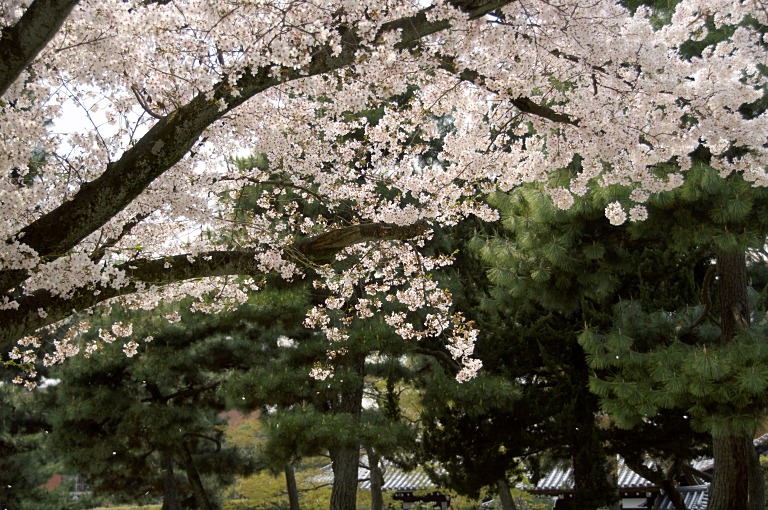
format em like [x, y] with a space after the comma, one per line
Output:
[131, 425]
[306, 417]
[23, 466]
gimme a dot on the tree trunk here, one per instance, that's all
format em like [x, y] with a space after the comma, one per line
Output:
[170, 489]
[507, 503]
[734, 482]
[756, 481]
[293, 490]
[194, 478]
[345, 456]
[591, 486]
[377, 479]
[730, 484]
[344, 464]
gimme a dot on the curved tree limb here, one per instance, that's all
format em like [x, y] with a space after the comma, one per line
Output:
[524, 104]
[144, 273]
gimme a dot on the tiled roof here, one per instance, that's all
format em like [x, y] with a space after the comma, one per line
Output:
[761, 444]
[561, 479]
[395, 479]
[695, 498]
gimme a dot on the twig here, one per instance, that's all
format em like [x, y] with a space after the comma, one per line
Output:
[143, 103]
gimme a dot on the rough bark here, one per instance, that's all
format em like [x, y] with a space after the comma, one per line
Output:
[345, 457]
[201, 497]
[377, 479]
[22, 42]
[730, 484]
[170, 489]
[344, 491]
[732, 293]
[292, 488]
[733, 483]
[505, 496]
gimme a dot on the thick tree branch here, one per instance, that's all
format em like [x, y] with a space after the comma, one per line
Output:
[144, 273]
[21, 43]
[328, 244]
[166, 143]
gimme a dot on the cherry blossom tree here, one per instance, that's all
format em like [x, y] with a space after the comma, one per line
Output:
[169, 88]
[129, 208]
[172, 87]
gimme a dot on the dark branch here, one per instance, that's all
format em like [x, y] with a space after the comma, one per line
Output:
[157, 396]
[99, 252]
[523, 104]
[22, 42]
[328, 244]
[215, 440]
[143, 103]
[143, 273]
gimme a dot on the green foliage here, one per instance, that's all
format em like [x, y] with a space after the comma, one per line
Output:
[24, 461]
[531, 395]
[637, 291]
[124, 422]
[721, 387]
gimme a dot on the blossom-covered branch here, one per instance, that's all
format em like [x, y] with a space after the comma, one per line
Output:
[173, 136]
[43, 307]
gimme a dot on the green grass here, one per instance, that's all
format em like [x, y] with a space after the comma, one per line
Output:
[129, 507]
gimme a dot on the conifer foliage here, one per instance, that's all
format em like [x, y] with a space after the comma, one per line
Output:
[647, 297]
[149, 425]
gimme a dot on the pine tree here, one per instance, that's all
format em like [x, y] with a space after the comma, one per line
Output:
[306, 417]
[637, 289]
[22, 455]
[131, 426]
[531, 396]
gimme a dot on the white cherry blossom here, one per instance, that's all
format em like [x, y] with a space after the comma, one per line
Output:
[469, 97]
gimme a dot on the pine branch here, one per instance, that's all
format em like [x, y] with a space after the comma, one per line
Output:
[706, 299]
[696, 473]
[207, 438]
[157, 396]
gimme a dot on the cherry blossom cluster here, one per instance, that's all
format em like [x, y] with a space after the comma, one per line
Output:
[361, 123]
[394, 282]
